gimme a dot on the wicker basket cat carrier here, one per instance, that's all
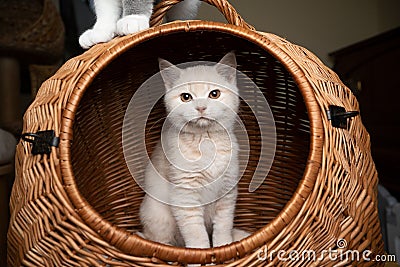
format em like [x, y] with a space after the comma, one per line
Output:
[74, 202]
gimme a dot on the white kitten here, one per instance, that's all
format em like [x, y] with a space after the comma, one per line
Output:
[122, 17]
[191, 181]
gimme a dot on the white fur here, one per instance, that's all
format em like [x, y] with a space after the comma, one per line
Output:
[191, 180]
[132, 23]
[108, 13]
[113, 18]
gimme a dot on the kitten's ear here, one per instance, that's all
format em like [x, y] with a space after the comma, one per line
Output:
[227, 67]
[169, 72]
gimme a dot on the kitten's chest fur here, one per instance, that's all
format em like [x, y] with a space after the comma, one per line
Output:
[207, 144]
[206, 154]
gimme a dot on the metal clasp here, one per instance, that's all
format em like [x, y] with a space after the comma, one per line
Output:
[338, 116]
[41, 141]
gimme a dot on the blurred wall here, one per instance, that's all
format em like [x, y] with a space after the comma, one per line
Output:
[319, 25]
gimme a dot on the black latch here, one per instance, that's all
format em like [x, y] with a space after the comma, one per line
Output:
[338, 116]
[41, 141]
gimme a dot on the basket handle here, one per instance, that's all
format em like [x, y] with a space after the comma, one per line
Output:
[229, 12]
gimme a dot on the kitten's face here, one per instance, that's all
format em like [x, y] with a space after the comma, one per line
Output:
[201, 96]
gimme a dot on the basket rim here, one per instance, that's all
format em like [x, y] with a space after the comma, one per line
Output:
[131, 243]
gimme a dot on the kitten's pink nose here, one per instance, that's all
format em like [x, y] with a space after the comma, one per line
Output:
[201, 109]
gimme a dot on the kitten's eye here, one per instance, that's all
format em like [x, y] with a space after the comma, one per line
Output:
[214, 94]
[185, 97]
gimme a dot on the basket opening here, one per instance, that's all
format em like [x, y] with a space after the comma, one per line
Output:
[97, 155]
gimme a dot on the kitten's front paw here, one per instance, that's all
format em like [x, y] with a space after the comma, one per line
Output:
[222, 241]
[95, 36]
[132, 23]
[221, 238]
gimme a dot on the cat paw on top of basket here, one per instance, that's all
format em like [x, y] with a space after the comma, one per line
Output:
[118, 18]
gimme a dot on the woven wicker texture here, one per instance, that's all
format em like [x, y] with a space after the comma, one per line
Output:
[78, 206]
